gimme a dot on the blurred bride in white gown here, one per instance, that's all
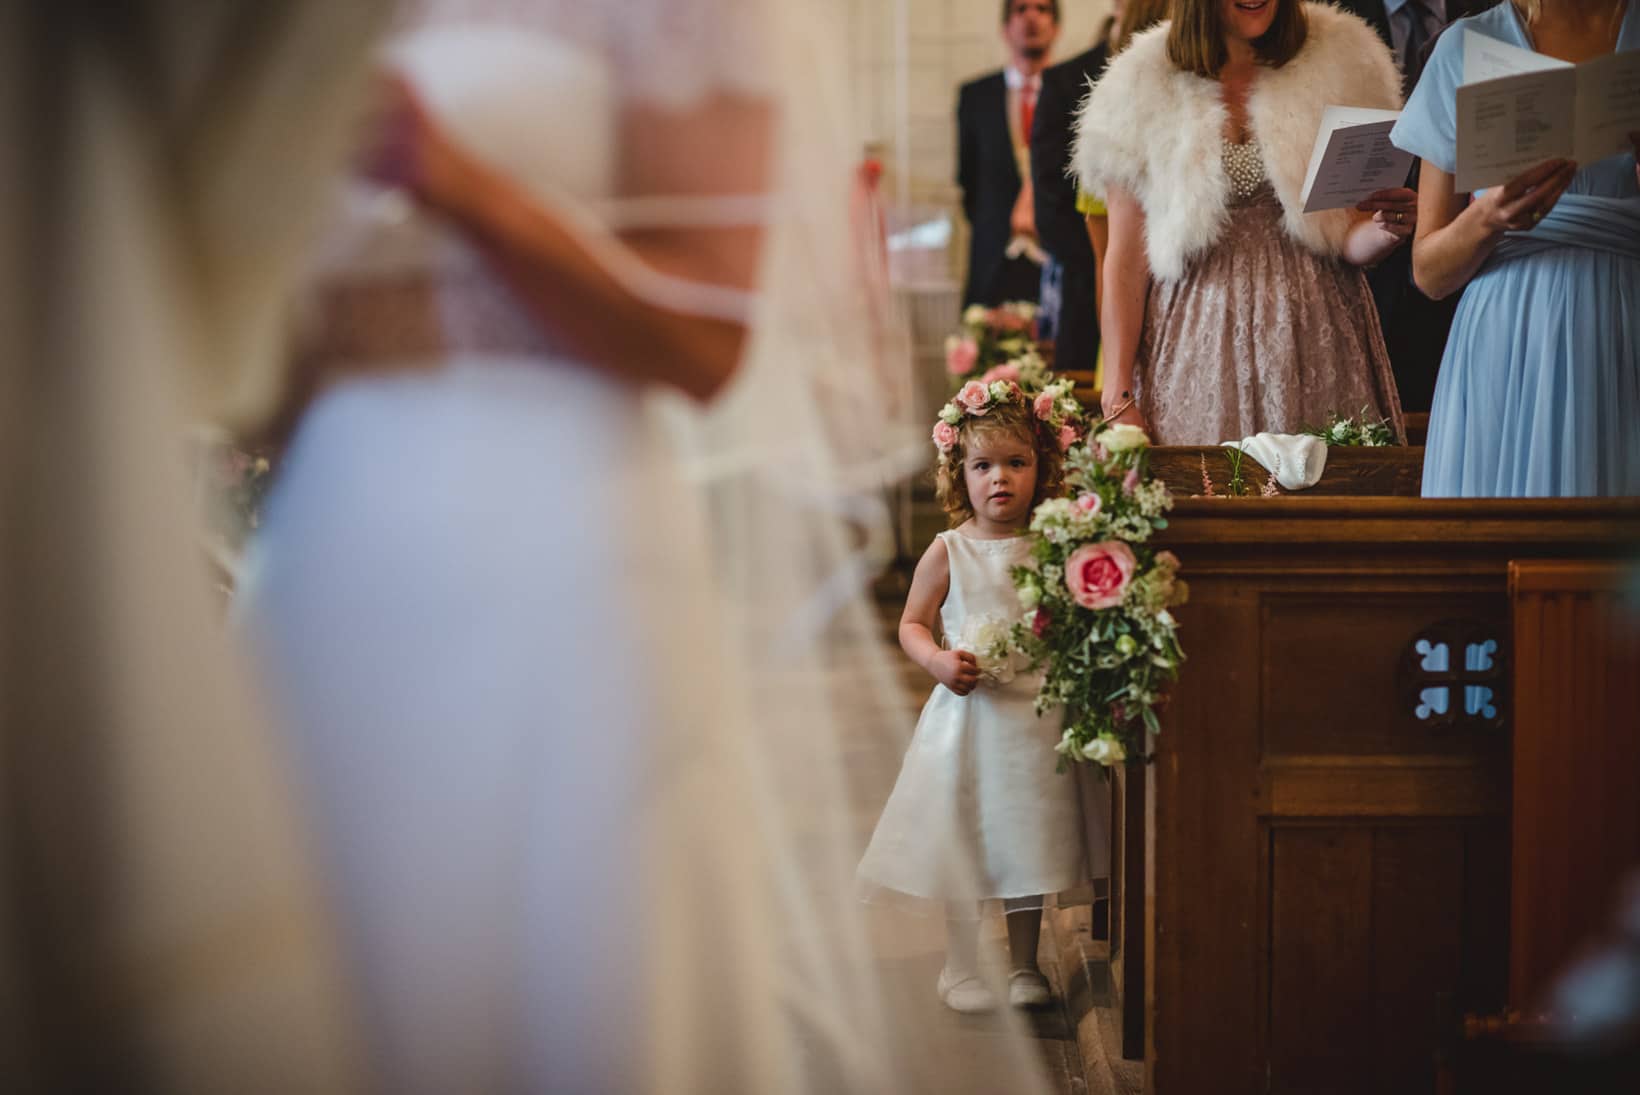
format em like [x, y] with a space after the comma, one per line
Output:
[553, 674]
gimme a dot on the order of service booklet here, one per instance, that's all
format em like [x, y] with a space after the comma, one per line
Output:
[1517, 108]
[1353, 158]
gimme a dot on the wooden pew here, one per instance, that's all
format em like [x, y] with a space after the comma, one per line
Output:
[1330, 802]
[1393, 471]
[1576, 824]
[1357, 471]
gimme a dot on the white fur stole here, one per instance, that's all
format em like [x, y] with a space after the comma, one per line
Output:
[1156, 131]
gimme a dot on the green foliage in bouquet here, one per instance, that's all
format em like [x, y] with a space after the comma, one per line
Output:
[998, 344]
[1361, 430]
[1097, 598]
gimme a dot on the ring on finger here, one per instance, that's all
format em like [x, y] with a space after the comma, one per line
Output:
[1400, 218]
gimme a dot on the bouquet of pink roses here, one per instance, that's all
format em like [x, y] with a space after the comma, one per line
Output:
[998, 344]
[1097, 597]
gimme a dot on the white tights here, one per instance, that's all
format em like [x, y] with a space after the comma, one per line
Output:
[1024, 916]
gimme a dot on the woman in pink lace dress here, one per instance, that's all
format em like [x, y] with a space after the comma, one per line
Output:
[1228, 311]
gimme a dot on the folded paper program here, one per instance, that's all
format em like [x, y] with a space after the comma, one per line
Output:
[1295, 459]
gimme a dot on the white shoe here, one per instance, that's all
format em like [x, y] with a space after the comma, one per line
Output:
[965, 993]
[1027, 989]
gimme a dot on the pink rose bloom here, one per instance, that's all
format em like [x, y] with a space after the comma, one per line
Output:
[973, 396]
[1067, 437]
[1167, 559]
[1043, 406]
[1006, 321]
[961, 355]
[1130, 482]
[1088, 503]
[1040, 622]
[945, 436]
[1008, 372]
[1097, 575]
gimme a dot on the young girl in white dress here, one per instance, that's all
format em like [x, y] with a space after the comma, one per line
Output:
[979, 814]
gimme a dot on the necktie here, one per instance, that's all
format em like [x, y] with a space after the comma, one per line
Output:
[1414, 14]
[1027, 107]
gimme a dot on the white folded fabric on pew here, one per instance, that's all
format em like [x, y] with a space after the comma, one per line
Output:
[1295, 459]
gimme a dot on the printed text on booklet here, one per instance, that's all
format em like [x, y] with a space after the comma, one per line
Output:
[1353, 158]
[1517, 108]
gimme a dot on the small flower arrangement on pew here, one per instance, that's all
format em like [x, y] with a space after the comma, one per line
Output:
[1097, 598]
[998, 344]
[1357, 431]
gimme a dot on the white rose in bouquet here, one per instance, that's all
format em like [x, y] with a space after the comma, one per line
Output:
[1104, 750]
[989, 638]
[1122, 438]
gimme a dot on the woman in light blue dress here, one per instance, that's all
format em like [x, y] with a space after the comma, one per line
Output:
[1539, 390]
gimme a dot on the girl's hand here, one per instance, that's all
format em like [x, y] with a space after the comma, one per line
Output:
[1520, 203]
[958, 670]
[1394, 210]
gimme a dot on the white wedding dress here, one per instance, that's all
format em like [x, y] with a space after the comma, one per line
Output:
[576, 765]
[482, 597]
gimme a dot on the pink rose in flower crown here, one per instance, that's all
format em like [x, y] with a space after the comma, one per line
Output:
[945, 436]
[1089, 503]
[1007, 371]
[1097, 575]
[1067, 437]
[1043, 407]
[974, 396]
[961, 354]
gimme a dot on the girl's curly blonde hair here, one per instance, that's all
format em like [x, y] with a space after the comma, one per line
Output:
[1011, 419]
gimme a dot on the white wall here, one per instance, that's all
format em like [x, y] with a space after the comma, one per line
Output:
[909, 56]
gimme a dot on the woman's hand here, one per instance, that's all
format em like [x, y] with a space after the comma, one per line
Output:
[958, 670]
[1520, 203]
[1392, 218]
[407, 149]
[1118, 408]
[1395, 211]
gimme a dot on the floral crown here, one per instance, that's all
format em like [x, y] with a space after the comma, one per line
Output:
[1054, 408]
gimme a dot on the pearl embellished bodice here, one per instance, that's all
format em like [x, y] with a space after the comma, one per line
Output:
[1245, 166]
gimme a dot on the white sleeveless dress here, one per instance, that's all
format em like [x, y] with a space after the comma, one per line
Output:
[979, 812]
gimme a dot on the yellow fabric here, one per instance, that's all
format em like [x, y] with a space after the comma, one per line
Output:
[1088, 205]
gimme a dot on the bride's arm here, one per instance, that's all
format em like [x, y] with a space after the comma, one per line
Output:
[589, 311]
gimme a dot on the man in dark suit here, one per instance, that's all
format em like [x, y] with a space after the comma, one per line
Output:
[1062, 230]
[994, 116]
[1415, 327]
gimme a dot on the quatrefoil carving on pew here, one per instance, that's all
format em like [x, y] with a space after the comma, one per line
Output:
[1454, 674]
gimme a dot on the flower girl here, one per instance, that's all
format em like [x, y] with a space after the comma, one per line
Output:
[978, 814]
